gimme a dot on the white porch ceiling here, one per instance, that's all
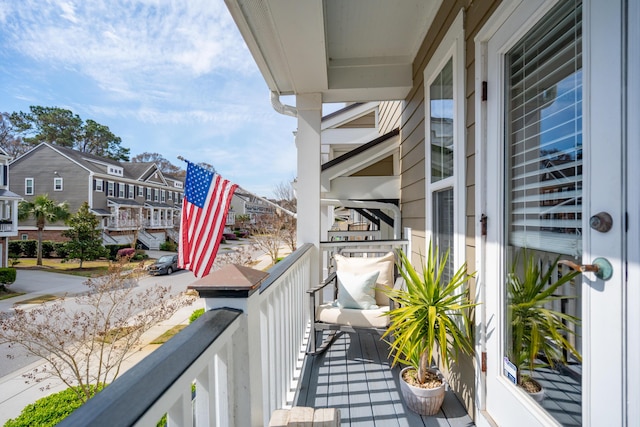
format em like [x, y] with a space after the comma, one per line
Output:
[347, 50]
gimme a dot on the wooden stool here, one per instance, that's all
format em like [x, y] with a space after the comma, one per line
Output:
[301, 416]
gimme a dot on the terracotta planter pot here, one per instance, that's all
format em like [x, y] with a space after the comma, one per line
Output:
[424, 401]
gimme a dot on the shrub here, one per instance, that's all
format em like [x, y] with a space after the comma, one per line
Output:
[61, 249]
[15, 248]
[168, 246]
[113, 250]
[29, 248]
[47, 248]
[7, 275]
[126, 252]
[140, 255]
[197, 313]
[49, 410]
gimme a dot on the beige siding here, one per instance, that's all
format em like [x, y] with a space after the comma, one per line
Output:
[412, 148]
[366, 121]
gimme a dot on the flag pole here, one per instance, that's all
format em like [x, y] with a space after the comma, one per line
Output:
[243, 190]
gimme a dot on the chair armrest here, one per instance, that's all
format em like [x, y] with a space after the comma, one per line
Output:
[399, 284]
[330, 279]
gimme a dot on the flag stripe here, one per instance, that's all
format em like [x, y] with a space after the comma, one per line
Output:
[203, 218]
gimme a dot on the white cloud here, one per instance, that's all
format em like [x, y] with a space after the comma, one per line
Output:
[120, 44]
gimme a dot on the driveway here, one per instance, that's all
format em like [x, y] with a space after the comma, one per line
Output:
[38, 282]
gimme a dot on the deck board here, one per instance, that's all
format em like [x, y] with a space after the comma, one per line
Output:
[355, 376]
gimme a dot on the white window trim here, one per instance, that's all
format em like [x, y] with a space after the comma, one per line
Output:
[111, 189]
[33, 187]
[451, 47]
[140, 191]
[55, 180]
[99, 184]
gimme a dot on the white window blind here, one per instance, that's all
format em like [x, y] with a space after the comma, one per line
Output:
[544, 134]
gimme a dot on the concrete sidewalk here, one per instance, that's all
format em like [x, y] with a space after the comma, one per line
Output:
[16, 393]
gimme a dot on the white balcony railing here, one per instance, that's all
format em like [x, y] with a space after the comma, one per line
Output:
[244, 363]
[244, 355]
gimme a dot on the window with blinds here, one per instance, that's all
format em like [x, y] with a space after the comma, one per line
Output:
[544, 134]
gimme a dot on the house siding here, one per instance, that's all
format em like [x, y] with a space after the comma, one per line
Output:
[41, 164]
[412, 150]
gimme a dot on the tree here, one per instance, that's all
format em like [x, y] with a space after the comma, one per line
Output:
[85, 347]
[85, 242]
[99, 140]
[268, 234]
[163, 164]
[10, 142]
[286, 196]
[62, 127]
[44, 210]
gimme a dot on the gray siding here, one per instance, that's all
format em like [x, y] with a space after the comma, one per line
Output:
[41, 164]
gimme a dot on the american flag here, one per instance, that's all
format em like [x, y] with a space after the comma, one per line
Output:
[204, 213]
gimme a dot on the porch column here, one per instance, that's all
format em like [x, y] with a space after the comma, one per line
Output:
[236, 287]
[309, 108]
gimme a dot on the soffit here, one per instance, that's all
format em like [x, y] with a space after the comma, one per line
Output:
[356, 50]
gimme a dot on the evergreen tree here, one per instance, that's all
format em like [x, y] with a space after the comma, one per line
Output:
[86, 237]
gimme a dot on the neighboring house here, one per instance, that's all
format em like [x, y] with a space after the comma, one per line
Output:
[247, 204]
[132, 200]
[8, 209]
[517, 128]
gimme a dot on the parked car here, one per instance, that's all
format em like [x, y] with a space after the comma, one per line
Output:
[166, 264]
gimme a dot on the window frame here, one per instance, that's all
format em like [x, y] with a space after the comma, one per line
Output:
[32, 186]
[55, 183]
[99, 185]
[451, 48]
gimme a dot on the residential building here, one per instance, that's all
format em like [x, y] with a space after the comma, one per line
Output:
[517, 127]
[132, 200]
[8, 209]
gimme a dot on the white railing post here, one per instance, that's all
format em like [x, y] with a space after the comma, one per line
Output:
[236, 287]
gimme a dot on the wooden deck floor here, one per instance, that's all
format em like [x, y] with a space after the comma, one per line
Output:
[355, 376]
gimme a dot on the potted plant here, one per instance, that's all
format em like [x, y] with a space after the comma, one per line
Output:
[431, 315]
[539, 334]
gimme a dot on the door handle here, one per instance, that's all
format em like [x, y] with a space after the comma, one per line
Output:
[601, 267]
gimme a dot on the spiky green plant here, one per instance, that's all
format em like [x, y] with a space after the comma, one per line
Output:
[431, 314]
[537, 329]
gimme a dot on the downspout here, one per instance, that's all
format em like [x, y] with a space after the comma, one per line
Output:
[397, 216]
[281, 108]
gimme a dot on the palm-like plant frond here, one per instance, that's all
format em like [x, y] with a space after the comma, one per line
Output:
[537, 329]
[430, 314]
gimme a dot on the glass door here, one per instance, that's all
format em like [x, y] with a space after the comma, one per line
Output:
[554, 169]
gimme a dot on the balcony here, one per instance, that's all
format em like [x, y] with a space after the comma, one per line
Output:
[246, 357]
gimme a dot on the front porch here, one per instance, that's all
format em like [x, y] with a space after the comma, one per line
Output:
[246, 357]
[355, 376]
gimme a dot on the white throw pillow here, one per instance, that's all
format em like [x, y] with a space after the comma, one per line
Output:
[361, 265]
[357, 290]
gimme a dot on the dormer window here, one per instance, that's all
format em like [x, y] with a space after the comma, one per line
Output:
[177, 184]
[114, 170]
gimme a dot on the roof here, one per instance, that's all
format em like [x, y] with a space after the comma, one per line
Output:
[149, 204]
[123, 202]
[101, 212]
[135, 171]
[6, 194]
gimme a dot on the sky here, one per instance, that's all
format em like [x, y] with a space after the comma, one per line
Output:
[170, 77]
